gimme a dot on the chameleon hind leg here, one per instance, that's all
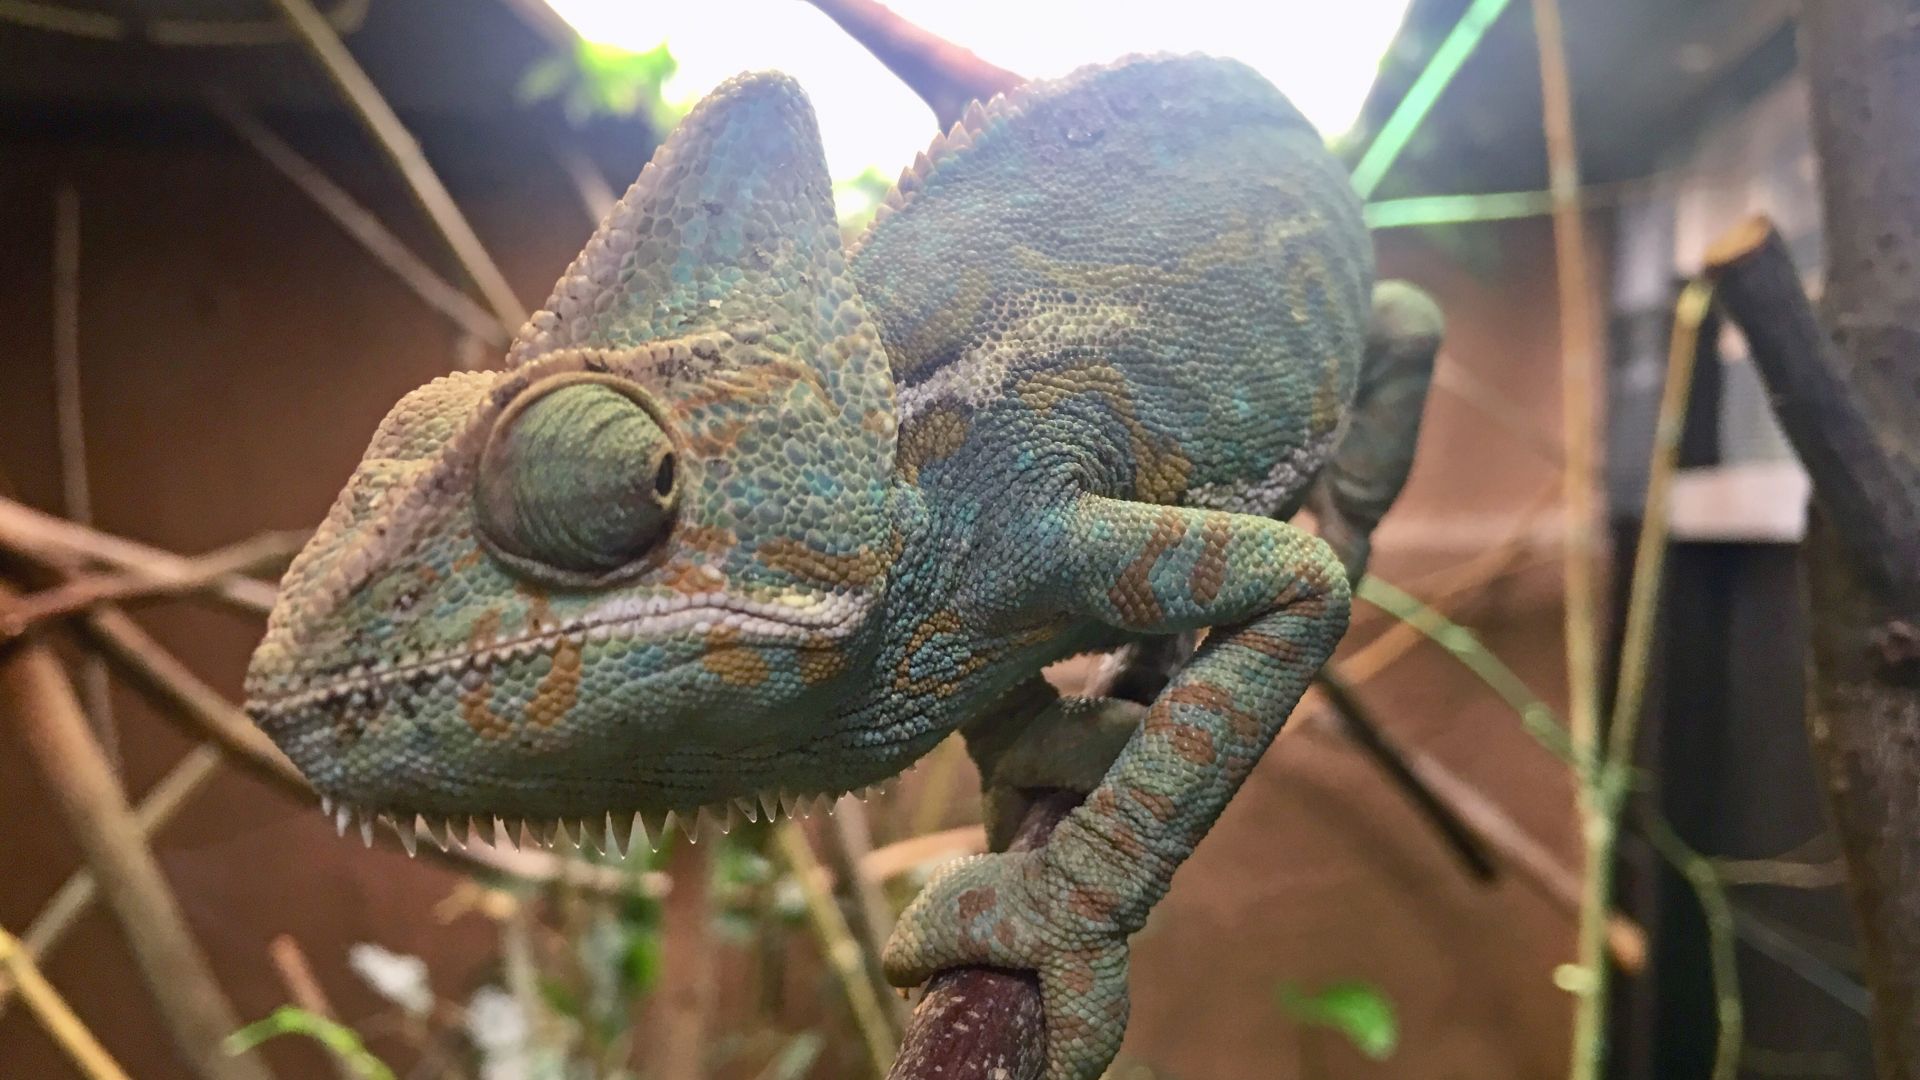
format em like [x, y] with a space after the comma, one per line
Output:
[1277, 600]
[1034, 741]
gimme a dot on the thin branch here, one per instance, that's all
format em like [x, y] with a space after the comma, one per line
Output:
[596, 195]
[688, 985]
[901, 856]
[1722, 939]
[36, 692]
[393, 137]
[62, 544]
[1784, 873]
[252, 555]
[1447, 59]
[290, 962]
[360, 223]
[1519, 851]
[1650, 551]
[76, 496]
[65, 1028]
[1393, 759]
[1537, 718]
[838, 944]
[1579, 390]
[76, 895]
[946, 76]
[346, 16]
[848, 842]
[1862, 483]
[1467, 578]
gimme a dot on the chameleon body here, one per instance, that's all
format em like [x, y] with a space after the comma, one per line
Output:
[746, 518]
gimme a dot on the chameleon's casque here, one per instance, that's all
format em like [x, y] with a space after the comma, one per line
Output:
[747, 517]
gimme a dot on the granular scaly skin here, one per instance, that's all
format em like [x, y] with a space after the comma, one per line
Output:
[747, 519]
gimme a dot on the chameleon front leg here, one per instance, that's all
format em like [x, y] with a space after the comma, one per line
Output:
[1277, 600]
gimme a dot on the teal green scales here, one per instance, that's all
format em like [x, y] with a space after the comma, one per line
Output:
[747, 517]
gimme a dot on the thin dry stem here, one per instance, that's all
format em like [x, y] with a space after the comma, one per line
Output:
[65, 545]
[837, 942]
[1579, 392]
[367, 102]
[55, 1015]
[848, 841]
[77, 894]
[252, 555]
[76, 496]
[945, 75]
[45, 711]
[360, 223]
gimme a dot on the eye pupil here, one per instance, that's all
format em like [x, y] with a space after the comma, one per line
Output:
[560, 484]
[663, 479]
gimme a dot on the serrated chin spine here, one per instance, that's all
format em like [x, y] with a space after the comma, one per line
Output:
[613, 834]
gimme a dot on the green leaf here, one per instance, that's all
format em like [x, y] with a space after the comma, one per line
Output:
[340, 1040]
[1357, 1010]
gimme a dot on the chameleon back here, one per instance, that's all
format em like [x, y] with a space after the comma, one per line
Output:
[1177, 285]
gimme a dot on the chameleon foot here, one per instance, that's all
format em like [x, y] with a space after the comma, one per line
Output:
[1014, 910]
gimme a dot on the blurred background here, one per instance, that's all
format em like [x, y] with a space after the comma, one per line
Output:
[218, 277]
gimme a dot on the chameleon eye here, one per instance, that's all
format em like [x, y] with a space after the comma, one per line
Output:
[578, 477]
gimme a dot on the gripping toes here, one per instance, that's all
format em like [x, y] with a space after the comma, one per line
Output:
[1000, 910]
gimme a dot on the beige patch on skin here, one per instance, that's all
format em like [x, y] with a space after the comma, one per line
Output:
[732, 663]
[476, 709]
[821, 665]
[796, 558]
[1210, 569]
[1132, 592]
[939, 623]
[559, 689]
[935, 434]
[1161, 469]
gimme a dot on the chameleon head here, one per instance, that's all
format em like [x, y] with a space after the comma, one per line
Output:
[614, 576]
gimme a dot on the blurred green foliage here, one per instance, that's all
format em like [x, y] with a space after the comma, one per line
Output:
[1355, 1009]
[340, 1040]
[597, 80]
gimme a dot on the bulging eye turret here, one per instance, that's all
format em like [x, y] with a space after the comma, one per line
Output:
[579, 477]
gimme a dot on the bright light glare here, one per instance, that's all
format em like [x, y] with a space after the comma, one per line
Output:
[1322, 55]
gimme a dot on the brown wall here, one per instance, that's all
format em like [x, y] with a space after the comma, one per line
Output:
[237, 352]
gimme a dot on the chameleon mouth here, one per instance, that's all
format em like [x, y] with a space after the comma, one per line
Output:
[616, 833]
[785, 619]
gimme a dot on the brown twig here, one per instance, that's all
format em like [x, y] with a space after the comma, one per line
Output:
[36, 692]
[1386, 752]
[346, 16]
[1855, 477]
[367, 102]
[360, 223]
[77, 894]
[76, 496]
[848, 841]
[1579, 388]
[1519, 851]
[689, 986]
[290, 962]
[946, 76]
[249, 556]
[984, 1023]
[55, 1015]
[837, 942]
[64, 545]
